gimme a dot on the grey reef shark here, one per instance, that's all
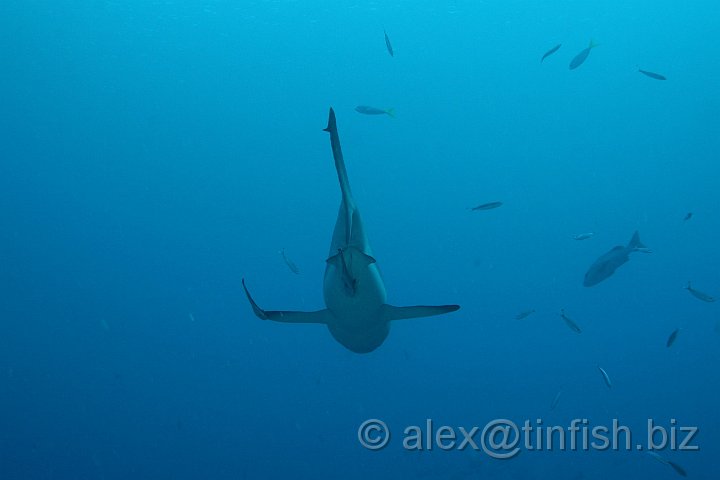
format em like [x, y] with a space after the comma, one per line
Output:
[357, 314]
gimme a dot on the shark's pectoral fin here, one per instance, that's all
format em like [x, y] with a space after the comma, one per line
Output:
[389, 312]
[320, 316]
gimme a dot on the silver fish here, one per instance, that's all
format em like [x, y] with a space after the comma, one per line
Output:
[678, 469]
[698, 294]
[556, 400]
[605, 376]
[366, 110]
[291, 265]
[568, 321]
[583, 236]
[671, 339]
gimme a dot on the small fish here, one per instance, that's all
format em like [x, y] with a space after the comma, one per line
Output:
[551, 51]
[688, 216]
[291, 265]
[580, 58]
[671, 339]
[698, 294]
[605, 376]
[191, 317]
[388, 45]
[524, 314]
[583, 236]
[105, 324]
[556, 400]
[568, 321]
[487, 206]
[656, 76]
[365, 110]
[678, 469]
[657, 457]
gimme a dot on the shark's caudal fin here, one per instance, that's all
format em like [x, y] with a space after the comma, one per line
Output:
[338, 157]
[635, 243]
[348, 203]
[390, 312]
[320, 316]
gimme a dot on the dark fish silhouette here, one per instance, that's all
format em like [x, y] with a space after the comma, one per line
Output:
[698, 294]
[671, 339]
[688, 216]
[551, 51]
[291, 265]
[388, 45]
[568, 321]
[487, 206]
[524, 314]
[580, 58]
[656, 76]
[680, 471]
[606, 265]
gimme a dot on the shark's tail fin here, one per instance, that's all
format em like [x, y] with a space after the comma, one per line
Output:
[635, 243]
[390, 112]
[593, 44]
[338, 156]
[332, 123]
[390, 312]
[348, 203]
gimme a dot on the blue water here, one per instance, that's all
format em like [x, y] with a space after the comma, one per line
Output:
[153, 153]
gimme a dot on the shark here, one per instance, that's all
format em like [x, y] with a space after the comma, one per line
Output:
[608, 262]
[357, 313]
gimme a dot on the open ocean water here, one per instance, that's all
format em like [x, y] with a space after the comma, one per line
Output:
[155, 152]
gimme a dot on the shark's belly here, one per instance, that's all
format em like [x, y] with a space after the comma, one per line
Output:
[354, 303]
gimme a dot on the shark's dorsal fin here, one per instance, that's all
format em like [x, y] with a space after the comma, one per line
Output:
[390, 312]
[288, 316]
